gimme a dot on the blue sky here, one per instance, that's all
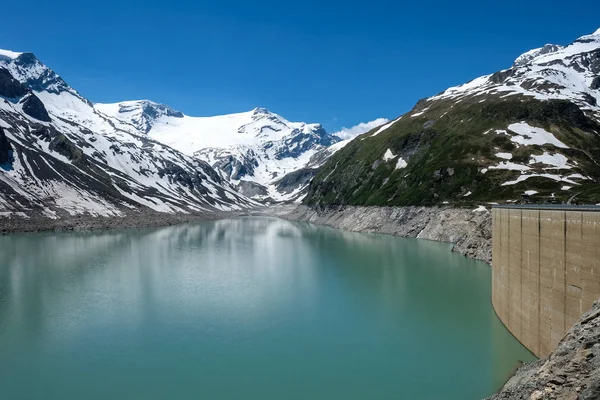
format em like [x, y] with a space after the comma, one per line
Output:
[334, 62]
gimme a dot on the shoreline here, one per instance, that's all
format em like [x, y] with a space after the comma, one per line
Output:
[82, 223]
[470, 232]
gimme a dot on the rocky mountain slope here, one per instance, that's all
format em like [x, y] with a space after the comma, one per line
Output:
[531, 131]
[60, 157]
[572, 371]
[253, 150]
[469, 231]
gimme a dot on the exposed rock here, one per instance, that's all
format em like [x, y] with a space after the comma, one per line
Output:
[34, 107]
[235, 168]
[67, 148]
[5, 149]
[10, 87]
[572, 371]
[469, 231]
[295, 180]
[251, 189]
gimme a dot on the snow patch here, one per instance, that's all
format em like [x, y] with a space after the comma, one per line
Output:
[531, 135]
[388, 155]
[557, 161]
[384, 127]
[9, 54]
[548, 176]
[401, 163]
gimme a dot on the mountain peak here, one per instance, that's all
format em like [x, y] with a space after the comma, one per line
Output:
[141, 113]
[260, 110]
[532, 54]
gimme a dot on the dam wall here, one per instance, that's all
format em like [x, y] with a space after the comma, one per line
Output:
[545, 270]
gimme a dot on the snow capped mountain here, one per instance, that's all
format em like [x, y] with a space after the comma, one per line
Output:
[532, 54]
[142, 114]
[253, 150]
[530, 131]
[550, 72]
[59, 156]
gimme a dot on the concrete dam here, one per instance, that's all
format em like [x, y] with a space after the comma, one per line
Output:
[545, 270]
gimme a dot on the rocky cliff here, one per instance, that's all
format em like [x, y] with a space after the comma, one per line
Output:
[572, 371]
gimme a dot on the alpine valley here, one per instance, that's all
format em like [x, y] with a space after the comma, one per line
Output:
[225, 293]
[530, 131]
[62, 156]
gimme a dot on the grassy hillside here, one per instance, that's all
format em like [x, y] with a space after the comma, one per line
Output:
[451, 152]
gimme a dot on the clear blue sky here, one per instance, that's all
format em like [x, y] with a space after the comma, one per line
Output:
[334, 62]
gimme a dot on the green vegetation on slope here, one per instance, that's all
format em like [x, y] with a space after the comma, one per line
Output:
[449, 148]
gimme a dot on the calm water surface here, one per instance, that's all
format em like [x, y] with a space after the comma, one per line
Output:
[253, 308]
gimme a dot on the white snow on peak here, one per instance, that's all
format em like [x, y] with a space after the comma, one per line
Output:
[549, 72]
[597, 33]
[532, 54]
[257, 145]
[9, 54]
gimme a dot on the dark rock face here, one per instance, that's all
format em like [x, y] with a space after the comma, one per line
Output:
[572, 371]
[296, 179]
[5, 149]
[48, 80]
[190, 179]
[152, 112]
[595, 85]
[65, 147]
[10, 87]
[34, 107]
[501, 76]
[300, 143]
[549, 48]
[235, 168]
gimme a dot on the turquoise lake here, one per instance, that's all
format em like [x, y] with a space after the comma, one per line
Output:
[250, 308]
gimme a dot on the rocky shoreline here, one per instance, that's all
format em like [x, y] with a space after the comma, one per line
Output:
[469, 230]
[143, 219]
[572, 371]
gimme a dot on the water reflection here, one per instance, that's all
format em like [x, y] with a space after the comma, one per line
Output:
[276, 306]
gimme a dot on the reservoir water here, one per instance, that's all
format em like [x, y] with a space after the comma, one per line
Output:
[251, 308]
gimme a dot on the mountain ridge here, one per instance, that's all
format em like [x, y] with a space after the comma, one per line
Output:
[527, 132]
[61, 158]
[253, 150]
